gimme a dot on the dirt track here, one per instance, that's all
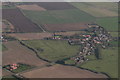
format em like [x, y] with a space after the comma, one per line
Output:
[17, 53]
[60, 71]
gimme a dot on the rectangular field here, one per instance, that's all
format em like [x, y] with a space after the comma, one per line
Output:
[20, 22]
[61, 71]
[16, 53]
[54, 5]
[109, 23]
[108, 63]
[53, 50]
[98, 9]
[59, 16]
[66, 27]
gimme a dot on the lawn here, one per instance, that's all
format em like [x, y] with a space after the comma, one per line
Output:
[53, 50]
[109, 23]
[98, 9]
[58, 16]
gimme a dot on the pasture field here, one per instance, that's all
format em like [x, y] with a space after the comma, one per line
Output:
[17, 53]
[19, 21]
[98, 9]
[61, 71]
[4, 48]
[58, 16]
[108, 64]
[8, 7]
[109, 23]
[53, 50]
[114, 34]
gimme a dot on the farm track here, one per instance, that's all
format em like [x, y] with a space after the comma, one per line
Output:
[20, 22]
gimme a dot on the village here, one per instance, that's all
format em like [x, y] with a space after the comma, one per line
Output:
[95, 37]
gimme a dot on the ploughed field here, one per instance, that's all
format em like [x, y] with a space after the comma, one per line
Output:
[66, 27]
[19, 21]
[16, 53]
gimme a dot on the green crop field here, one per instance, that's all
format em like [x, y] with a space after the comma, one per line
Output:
[58, 16]
[53, 50]
[98, 9]
[109, 23]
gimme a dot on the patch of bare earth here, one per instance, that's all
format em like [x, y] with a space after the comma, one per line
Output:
[17, 53]
[60, 71]
[65, 27]
[30, 36]
[33, 7]
[7, 25]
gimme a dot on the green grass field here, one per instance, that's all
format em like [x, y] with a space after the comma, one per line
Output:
[8, 7]
[2, 47]
[109, 23]
[53, 50]
[108, 64]
[114, 34]
[58, 16]
[98, 9]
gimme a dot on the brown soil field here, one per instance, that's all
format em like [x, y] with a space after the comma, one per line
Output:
[60, 71]
[19, 21]
[17, 53]
[30, 36]
[65, 27]
[54, 5]
[4, 26]
[33, 7]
